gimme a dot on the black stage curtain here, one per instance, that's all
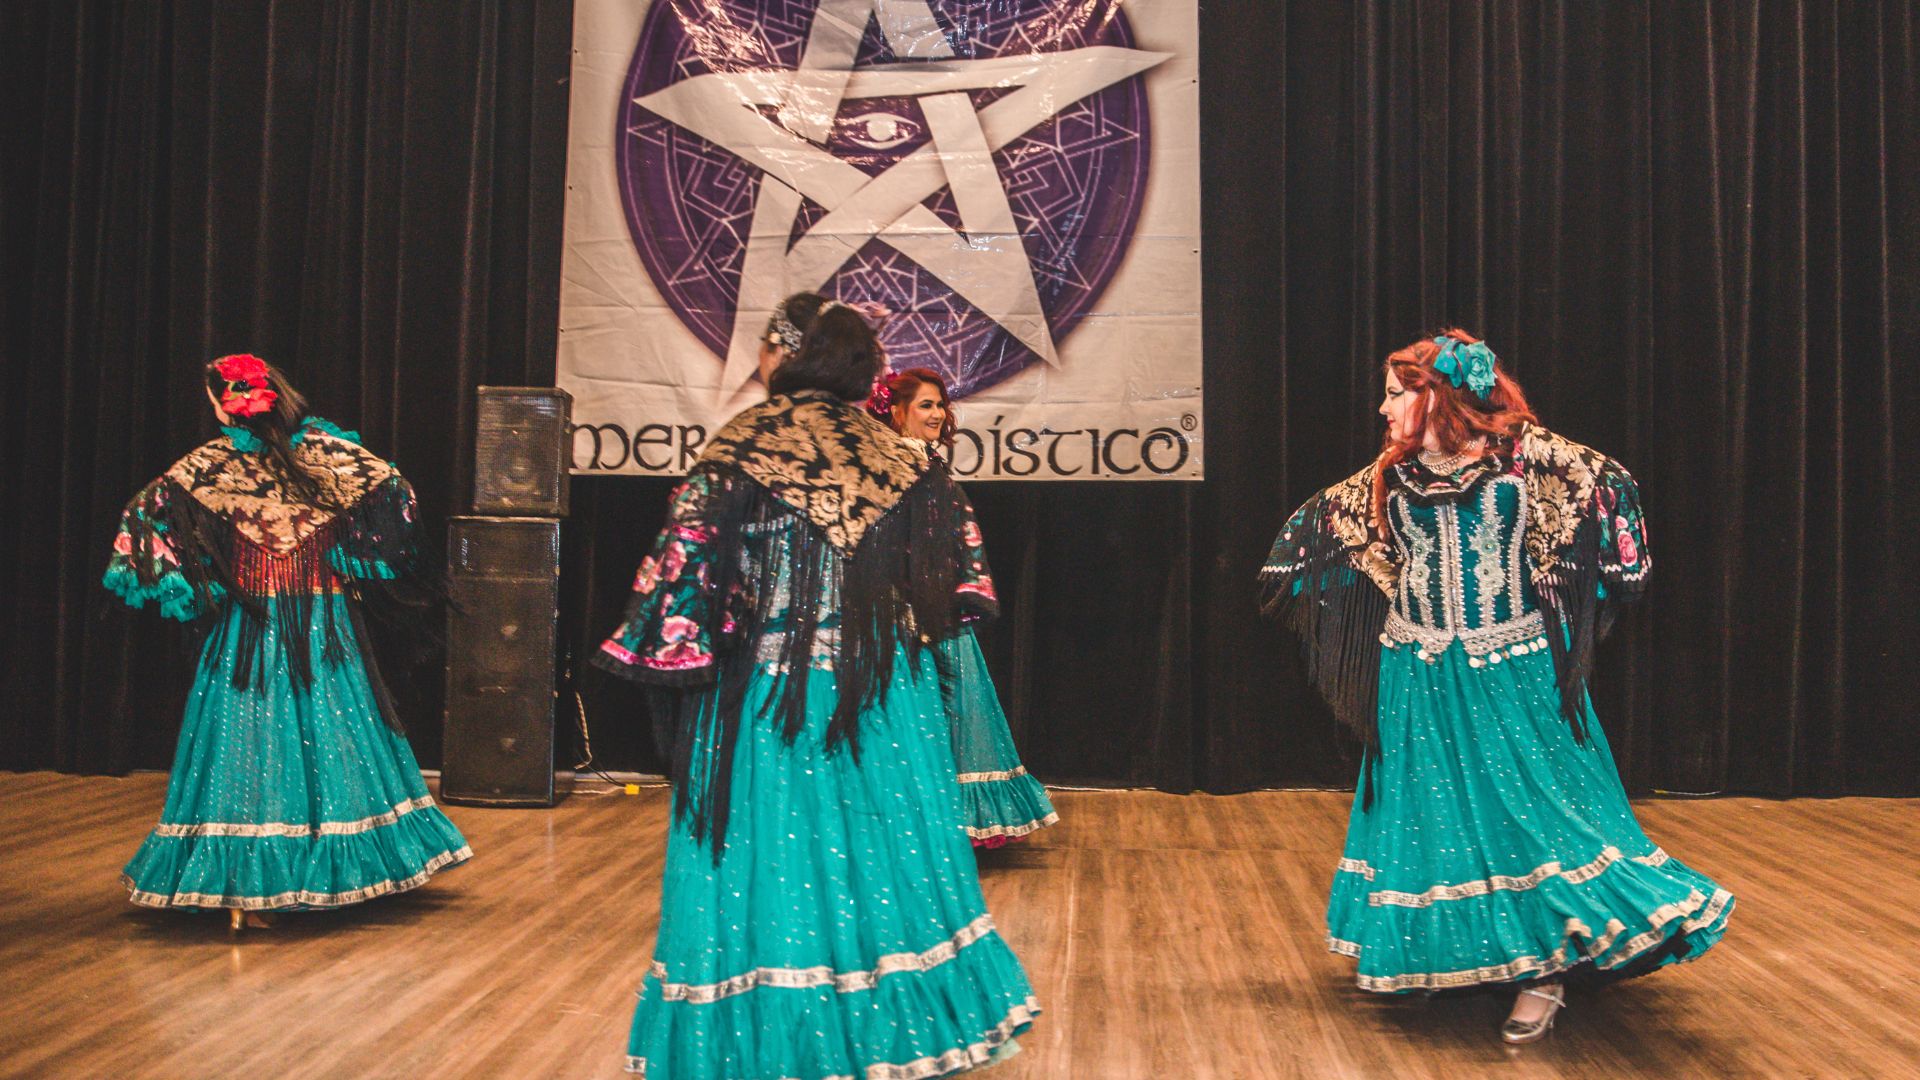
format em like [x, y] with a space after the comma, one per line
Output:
[1689, 229]
[366, 193]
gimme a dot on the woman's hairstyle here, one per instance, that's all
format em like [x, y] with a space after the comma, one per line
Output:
[893, 395]
[839, 354]
[257, 396]
[1454, 413]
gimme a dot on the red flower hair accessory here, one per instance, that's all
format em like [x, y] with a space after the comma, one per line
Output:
[246, 393]
[880, 401]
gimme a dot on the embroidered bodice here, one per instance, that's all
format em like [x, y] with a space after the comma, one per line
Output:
[1463, 570]
[1540, 541]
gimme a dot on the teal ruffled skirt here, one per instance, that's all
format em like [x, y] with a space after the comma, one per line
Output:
[1498, 849]
[842, 933]
[285, 799]
[999, 800]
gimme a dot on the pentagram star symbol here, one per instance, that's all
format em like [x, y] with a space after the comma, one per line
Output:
[985, 261]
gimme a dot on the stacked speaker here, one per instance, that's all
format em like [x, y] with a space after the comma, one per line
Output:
[504, 592]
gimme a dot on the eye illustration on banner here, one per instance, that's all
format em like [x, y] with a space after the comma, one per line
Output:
[878, 130]
[978, 166]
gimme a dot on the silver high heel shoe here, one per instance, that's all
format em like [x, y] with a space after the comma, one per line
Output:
[1526, 1031]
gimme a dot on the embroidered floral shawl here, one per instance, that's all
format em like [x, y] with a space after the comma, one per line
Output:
[220, 530]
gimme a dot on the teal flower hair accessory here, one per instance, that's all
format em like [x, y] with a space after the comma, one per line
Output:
[1464, 363]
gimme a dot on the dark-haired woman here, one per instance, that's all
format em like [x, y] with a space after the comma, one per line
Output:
[292, 786]
[1000, 801]
[820, 914]
[1449, 596]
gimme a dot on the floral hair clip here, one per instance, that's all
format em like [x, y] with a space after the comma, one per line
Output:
[880, 401]
[246, 393]
[1464, 363]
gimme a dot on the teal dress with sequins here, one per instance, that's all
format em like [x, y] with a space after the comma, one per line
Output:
[290, 787]
[820, 914]
[1491, 840]
[1000, 801]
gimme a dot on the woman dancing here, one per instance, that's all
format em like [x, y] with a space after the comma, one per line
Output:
[292, 786]
[820, 914]
[1449, 596]
[999, 800]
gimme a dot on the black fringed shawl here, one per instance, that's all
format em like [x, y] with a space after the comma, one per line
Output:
[875, 533]
[1586, 549]
[220, 531]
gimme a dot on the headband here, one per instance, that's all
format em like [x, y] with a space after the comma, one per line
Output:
[1462, 363]
[781, 332]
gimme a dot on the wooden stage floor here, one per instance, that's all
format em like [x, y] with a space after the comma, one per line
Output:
[1166, 936]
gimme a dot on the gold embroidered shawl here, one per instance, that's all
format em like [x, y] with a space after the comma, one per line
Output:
[240, 488]
[828, 459]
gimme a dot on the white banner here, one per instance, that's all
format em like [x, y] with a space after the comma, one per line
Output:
[1017, 180]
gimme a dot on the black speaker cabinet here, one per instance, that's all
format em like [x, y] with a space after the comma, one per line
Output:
[504, 585]
[520, 451]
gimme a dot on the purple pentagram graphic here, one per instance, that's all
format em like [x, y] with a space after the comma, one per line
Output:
[1075, 183]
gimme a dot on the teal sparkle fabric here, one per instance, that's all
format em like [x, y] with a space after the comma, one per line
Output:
[842, 931]
[999, 800]
[1497, 848]
[282, 798]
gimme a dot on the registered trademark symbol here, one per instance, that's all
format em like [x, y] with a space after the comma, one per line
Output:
[1188, 422]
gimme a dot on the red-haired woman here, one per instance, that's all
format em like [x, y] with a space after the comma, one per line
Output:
[1001, 802]
[1449, 596]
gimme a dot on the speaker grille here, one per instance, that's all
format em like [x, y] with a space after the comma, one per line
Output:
[520, 451]
[504, 590]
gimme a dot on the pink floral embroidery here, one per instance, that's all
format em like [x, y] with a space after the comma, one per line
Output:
[679, 650]
[971, 534]
[672, 561]
[123, 544]
[648, 576]
[1629, 551]
[979, 587]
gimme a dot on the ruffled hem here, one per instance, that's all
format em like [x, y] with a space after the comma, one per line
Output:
[1000, 811]
[1534, 926]
[170, 591]
[913, 1023]
[280, 872]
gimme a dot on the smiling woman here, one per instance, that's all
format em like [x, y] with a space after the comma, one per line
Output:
[1000, 802]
